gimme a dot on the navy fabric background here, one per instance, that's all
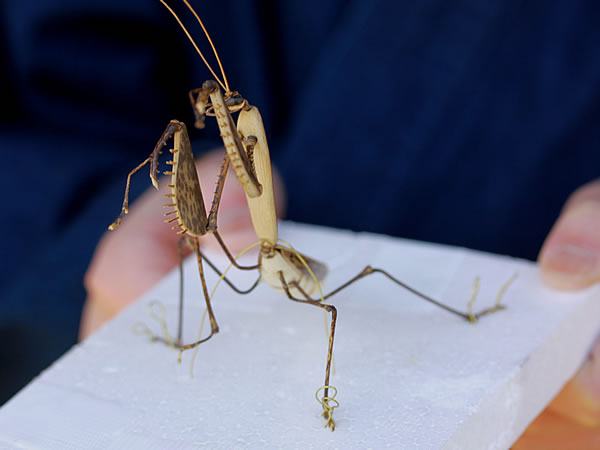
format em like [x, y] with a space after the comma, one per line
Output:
[461, 121]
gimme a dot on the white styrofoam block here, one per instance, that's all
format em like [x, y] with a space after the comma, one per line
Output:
[409, 375]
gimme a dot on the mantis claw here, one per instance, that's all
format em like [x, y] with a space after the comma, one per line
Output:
[113, 226]
[328, 414]
[327, 407]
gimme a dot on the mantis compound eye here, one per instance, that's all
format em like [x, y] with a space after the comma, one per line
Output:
[235, 101]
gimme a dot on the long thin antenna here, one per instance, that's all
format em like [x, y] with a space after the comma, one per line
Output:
[223, 85]
[211, 42]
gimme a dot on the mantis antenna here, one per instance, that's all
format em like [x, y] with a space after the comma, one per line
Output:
[211, 43]
[224, 84]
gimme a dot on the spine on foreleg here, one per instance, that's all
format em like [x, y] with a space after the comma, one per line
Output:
[233, 145]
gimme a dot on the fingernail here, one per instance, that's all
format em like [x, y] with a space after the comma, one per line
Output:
[570, 266]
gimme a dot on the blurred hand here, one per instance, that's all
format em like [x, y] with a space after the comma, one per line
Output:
[570, 259]
[130, 260]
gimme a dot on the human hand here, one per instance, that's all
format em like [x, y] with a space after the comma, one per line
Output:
[569, 260]
[130, 260]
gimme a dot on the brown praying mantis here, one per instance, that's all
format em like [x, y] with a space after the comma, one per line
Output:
[247, 152]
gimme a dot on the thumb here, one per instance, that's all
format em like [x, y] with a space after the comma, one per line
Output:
[570, 257]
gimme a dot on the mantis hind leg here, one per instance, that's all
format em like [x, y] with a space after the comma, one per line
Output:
[158, 311]
[214, 328]
[468, 315]
[326, 400]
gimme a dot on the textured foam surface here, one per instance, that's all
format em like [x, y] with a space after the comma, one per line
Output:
[409, 375]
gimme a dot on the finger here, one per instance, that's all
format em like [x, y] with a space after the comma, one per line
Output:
[93, 317]
[125, 265]
[579, 400]
[570, 257]
[572, 420]
[550, 431]
[131, 259]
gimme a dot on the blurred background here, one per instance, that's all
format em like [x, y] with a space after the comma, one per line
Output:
[462, 122]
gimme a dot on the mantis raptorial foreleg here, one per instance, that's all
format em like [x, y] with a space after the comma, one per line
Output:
[188, 205]
[240, 162]
[174, 128]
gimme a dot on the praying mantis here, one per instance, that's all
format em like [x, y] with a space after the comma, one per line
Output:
[247, 152]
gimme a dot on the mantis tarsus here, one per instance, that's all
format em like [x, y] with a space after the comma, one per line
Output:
[283, 268]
